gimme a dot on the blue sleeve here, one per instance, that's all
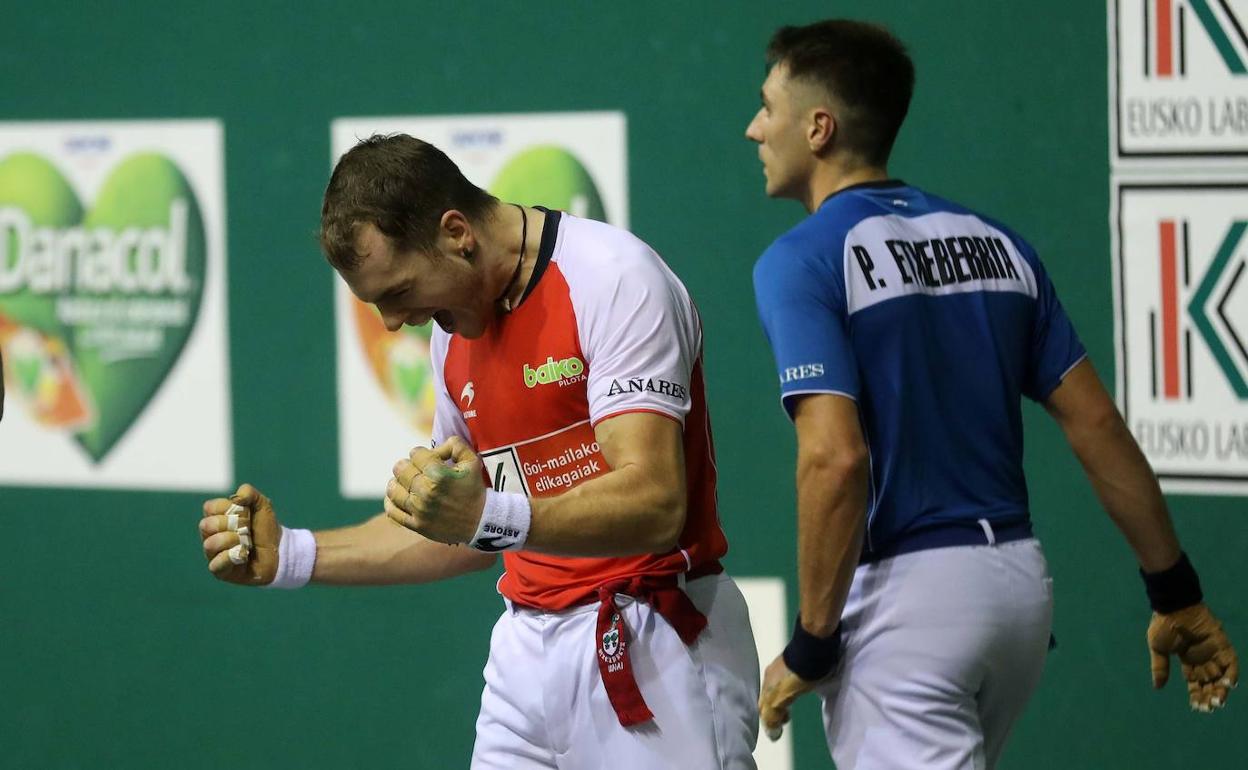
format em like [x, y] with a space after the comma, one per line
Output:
[802, 309]
[1055, 347]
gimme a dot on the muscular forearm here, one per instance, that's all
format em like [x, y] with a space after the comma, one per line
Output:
[381, 552]
[1118, 470]
[831, 515]
[637, 506]
[1127, 488]
[621, 513]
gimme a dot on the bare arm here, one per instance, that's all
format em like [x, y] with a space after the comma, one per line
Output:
[1130, 494]
[381, 552]
[1113, 462]
[832, 467]
[375, 552]
[638, 506]
[832, 476]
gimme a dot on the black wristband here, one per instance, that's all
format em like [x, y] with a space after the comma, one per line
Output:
[809, 656]
[1173, 589]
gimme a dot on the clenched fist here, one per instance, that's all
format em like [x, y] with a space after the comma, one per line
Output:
[781, 687]
[226, 527]
[438, 492]
[1209, 662]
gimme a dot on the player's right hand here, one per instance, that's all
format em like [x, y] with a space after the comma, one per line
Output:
[1209, 662]
[259, 562]
[780, 688]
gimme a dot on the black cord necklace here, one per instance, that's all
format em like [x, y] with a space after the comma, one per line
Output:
[524, 241]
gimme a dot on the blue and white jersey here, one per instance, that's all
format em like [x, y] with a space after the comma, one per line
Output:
[934, 320]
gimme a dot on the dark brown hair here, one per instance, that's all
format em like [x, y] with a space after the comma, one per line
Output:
[400, 184]
[863, 67]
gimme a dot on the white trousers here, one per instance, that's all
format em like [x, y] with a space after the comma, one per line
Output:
[942, 650]
[544, 704]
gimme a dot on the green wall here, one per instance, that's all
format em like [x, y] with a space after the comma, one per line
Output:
[117, 648]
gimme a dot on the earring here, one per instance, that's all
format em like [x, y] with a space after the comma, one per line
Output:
[468, 254]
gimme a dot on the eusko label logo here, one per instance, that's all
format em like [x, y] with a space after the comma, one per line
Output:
[1181, 76]
[1182, 333]
[1166, 38]
[110, 250]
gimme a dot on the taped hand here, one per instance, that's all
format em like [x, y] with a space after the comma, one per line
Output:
[781, 687]
[241, 535]
[1208, 659]
[438, 492]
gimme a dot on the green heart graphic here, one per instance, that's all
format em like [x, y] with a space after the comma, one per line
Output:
[552, 177]
[120, 285]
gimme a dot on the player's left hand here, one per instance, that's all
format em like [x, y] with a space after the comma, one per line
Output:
[780, 688]
[438, 492]
[1209, 662]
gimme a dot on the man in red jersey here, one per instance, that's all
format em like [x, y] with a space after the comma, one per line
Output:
[568, 376]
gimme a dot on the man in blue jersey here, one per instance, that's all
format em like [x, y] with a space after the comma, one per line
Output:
[905, 330]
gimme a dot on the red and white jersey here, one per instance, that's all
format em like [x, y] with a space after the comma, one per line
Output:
[605, 328]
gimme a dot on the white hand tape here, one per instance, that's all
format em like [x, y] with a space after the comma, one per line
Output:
[231, 516]
[244, 537]
[238, 554]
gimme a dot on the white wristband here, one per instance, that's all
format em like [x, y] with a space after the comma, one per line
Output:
[296, 556]
[504, 524]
